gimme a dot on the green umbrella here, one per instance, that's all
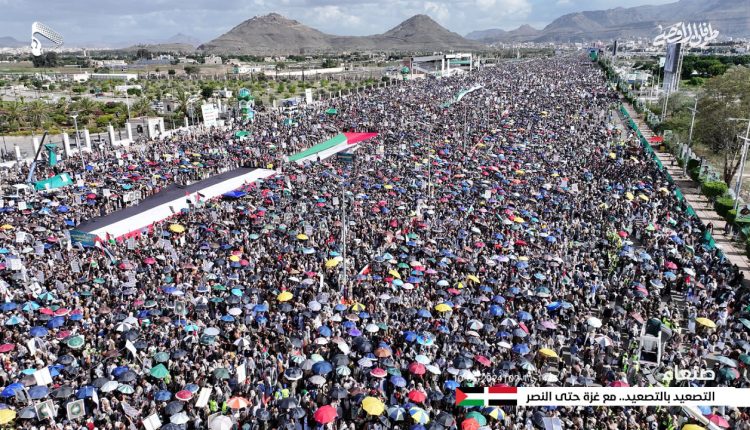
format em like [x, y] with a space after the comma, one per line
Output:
[220, 373]
[75, 342]
[219, 287]
[125, 389]
[745, 358]
[159, 371]
[161, 357]
[99, 280]
[477, 416]
[403, 265]
[332, 111]
[745, 322]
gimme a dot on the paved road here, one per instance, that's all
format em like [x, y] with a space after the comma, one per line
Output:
[733, 251]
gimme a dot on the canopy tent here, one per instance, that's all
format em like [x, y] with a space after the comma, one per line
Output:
[332, 111]
[59, 181]
[343, 139]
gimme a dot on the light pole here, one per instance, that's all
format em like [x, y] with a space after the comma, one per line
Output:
[78, 143]
[127, 104]
[694, 110]
[738, 184]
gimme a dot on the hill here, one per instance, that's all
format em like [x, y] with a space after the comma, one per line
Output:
[9, 42]
[275, 34]
[730, 17]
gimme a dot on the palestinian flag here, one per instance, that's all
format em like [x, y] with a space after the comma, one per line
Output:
[486, 396]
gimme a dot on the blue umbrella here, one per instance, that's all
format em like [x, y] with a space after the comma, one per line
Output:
[162, 396]
[324, 331]
[424, 313]
[227, 318]
[38, 331]
[410, 336]
[339, 307]
[322, 368]
[11, 390]
[38, 392]
[451, 384]
[260, 308]
[554, 306]
[85, 392]
[525, 316]
[55, 369]
[30, 306]
[47, 296]
[496, 311]
[8, 306]
[117, 371]
[14, 320]
[398, 381]
[521, 348]
[55, 322]
[192, 388]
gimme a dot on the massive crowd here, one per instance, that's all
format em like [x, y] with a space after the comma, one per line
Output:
[519, 236]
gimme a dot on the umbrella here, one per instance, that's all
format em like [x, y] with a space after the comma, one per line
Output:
[238, 403]
[546, 352]
[470, 424]
[396, 413]
[222, 422]
[184, 395]
[373, 406]
[325, 414]
[6, 416]
[109, 386]
[220, 373]
[417, 396]
[159, 371]
[62, 392]
[38, 392]
[179, 418]
[718, 420]
[594, 322]
[163, 396]
[705, 322]
[339, 392]
[85, 392]
[419, 415]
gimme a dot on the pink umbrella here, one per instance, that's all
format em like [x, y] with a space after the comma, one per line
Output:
[378, 372]
[149, 260]
[619, 384]
[454, 291]
[417, 368]
[549, 325]
[62, 334]
[718, 420]
[484, 361]
[7, 347]
[61, 312]
[184, 395]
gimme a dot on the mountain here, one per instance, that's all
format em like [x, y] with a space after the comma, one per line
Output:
[182, 39]
[275, 34]
[174, 48]
[730, 17]
[9, 42]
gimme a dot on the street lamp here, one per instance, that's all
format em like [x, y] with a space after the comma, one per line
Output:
[694, 110]
[78, 143]
[738, 184]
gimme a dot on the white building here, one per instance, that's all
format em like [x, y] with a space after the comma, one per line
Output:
[213, 59]
[105, 76]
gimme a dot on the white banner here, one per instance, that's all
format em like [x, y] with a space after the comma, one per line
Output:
[42, 376]
[203, 397]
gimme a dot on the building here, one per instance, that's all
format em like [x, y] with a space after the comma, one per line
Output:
[114, 76]
[243, 69]
[213, 59]
[109, 63]
[439, 64]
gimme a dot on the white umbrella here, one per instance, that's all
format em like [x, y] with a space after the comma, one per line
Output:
[594, 322]
[603, 341]
[321, 341]
[234, 311]
[109, 386]
[179, 418]
[222, 422]
[343, 347]
[504, 344]
[211, 331]
[372, 328]
[550, 377]
[242, 342]
[433, 369]
[314, 306]
[317, 380]
[121, 327]
[420, 358]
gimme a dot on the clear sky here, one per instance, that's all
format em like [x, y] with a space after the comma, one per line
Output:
[119, 21]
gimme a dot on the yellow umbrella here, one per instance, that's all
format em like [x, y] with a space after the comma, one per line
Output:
[523, 258]
[176, 228]
[442, 307]
[692, 427]
[612, 155]
[664, 190]
[302, 236]
[358, 307]
[234, 258]
[373, 406]
[473, 278]
[519, 220]
[643, 197]
[394, 273]
[548, 353]
[284, 296]
[6, 227]
[520, 172]
[460, 285]
[705, 322]
[333, 262]
[629, 195]
[6, 416]
[388, 187]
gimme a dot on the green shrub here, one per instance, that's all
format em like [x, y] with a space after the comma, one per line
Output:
[747, 246]
[693, 163]
[713, 189]
[731, 215]
[723, 205]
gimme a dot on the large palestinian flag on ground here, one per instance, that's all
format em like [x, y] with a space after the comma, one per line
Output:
[341, 138]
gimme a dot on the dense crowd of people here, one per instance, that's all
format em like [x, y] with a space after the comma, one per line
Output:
[519, 236]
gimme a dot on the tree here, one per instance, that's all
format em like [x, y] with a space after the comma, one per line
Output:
[48, 59]
[207, 91]
[191, 70]
[142, 107]
[726, 96]
[171, 72]
[142, 53]
[37, 112]
[329, 63]
[12, 115]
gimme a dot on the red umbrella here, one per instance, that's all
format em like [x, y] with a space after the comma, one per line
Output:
[46, 311]
[91, 196]
[718, 420]
[484, 361]
[325, 414]
[670, 265]
[417, 396]
[470, 424]
[623, 233]
[149, 260]
[619, 384]
[61, 312]
[7, 347]
[417, 368]
[378, 372]
[184, 395]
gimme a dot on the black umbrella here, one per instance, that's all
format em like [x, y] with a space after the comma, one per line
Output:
[298, 413]
[288, 403]
[445, 419]
[130, 335]
[462, 363]
[538, 419]
[435, 396]
[174, 407]
[178, 354]
[99, 382]
[128, 376]
[339, 392]
[27, 413]
[63, 392]
[72, 370]
[340, 360]
[141, 344]
[296, 342]
[293, 373]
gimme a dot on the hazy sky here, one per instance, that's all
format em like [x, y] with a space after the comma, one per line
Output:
[112, 21]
